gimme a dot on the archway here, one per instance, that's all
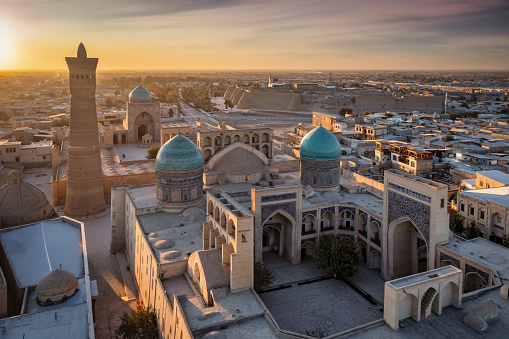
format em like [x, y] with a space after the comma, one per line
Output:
[422, 259]
[307, 251]
[277, 238]
[375, 261]
[347, 219]
[363, 224]
[473, 282]
[196, 275]
[245, 139]
[327, 221]
[374, 232]
[207, 154]
[144, 124]
[404, 242]
[265, 137]
[166, 138]
[142, 130]
[115, 139]
[444, 263]
[362, 253]
[428, 302]
[497, 229]
[124, 138]
[265, 150]
[308, 224]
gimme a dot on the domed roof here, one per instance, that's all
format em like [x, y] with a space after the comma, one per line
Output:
[178, 154]
[21, 199]
[140, 94]
[56, 284]
[320, 144]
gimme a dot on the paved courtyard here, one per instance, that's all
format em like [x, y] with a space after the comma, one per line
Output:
[328, 305]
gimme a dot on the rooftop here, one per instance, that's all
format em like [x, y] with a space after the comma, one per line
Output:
[483, 252]
[421, 277]
[32, 256]
[497, 195]
[499, 176]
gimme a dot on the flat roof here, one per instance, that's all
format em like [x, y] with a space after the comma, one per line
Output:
[484, 252]
[496, 175]
[36, 249]
[423, 276]
[497, 195]
[143, 197]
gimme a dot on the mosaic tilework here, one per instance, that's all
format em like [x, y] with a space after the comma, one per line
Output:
[444, 256]
[305, 214]
[410, 192]
[331, 209]
[484, 275]
[276, 225]
[288, 207]
[272, 198]
[419, 213]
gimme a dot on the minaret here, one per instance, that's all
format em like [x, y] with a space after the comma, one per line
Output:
[85, 192]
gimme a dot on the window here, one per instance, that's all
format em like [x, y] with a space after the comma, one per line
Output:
[471, 211]
[462, 207]
[442, 203]
[481, 214]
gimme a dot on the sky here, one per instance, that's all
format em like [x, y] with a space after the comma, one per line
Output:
[261, 34]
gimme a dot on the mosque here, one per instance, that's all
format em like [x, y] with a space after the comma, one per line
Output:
[192, 239]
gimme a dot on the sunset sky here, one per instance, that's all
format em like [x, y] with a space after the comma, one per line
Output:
[261, 34]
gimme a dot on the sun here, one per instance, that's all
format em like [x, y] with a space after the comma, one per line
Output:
[6, 46]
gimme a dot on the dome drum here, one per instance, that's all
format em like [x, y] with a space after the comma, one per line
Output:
[320, 174]
[56, 287]
[179, 175]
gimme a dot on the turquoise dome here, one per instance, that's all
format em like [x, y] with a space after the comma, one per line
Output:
[140, 94]
[320, 144]
[179, 154]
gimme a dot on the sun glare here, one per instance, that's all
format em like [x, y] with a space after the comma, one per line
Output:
[6, 46]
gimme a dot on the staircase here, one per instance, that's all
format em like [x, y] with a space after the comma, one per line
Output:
[427, 300]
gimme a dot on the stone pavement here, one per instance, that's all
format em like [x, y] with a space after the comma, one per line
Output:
[104, 268]
[370, 282]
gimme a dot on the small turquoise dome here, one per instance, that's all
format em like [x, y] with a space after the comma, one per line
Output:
[179, 154]
[140, 94]
[320, 144]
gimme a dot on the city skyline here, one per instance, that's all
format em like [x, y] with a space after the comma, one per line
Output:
[229, 34]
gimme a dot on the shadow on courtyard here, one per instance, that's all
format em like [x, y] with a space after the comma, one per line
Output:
[313, 300]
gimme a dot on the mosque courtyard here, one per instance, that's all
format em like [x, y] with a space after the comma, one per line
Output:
[306, 299]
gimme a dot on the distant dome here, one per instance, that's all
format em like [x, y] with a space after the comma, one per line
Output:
[21, 202]
[55, 287]
[179, 154]
[140, 94]
[320, 144]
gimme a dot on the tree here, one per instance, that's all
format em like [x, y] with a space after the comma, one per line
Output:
[228, 104]
[472, 231]
[263, 276]
[457, 223]
[448, 137]
[366, 113]
[337, 254]
[388, 115]
[138, 325]
[343, 111]
[108, 102]
[152, 152]
[171, 112]
[60, 122]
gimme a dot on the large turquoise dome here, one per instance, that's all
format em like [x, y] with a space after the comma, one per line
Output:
[320, 144]
[179, 154]
[140, 94]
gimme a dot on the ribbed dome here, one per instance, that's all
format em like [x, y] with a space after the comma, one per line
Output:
[19, 199]
[140, 94]
[56, 285]
[320, 144]
[178, 154]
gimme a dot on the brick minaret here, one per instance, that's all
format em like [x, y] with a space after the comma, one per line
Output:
[85, 193]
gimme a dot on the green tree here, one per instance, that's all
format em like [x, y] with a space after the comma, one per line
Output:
[171, 112]
[263, 276]
[108, 102]
[457, 223]
[60, 123]
[343, 111]
[228, 104]
[337, 254]
[366, 113]
[138, 325]
[472, 231]
[152, 152]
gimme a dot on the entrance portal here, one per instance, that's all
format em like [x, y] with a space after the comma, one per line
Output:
[142, 130]
[405, 240]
